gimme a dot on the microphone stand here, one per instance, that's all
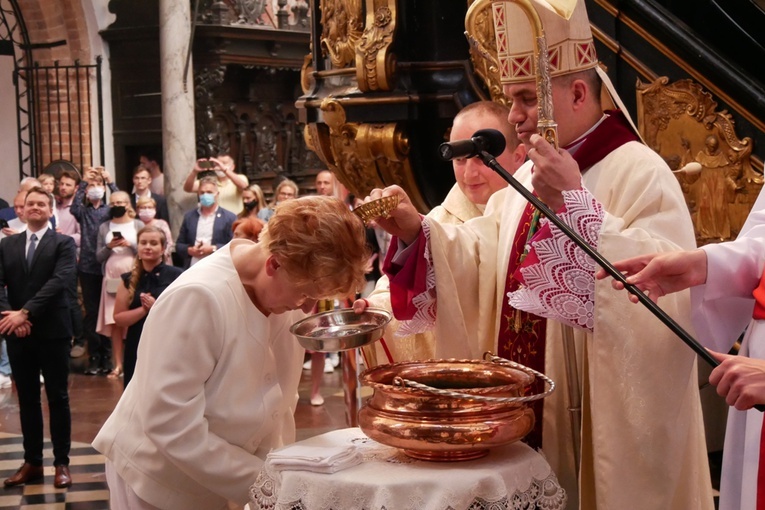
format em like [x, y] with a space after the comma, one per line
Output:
[492, 163]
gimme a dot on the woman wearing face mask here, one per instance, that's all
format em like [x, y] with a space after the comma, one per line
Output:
[147, 213]
[253, 200]
[117, 240]
[230, 184]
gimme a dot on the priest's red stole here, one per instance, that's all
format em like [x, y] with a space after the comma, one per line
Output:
[521, 336]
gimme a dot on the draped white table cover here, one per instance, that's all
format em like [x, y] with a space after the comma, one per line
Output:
[510, 477]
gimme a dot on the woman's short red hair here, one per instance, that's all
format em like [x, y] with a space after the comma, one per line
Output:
[248, 227]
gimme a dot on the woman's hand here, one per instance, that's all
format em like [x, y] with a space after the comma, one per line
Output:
[147, 301]
[117, 241]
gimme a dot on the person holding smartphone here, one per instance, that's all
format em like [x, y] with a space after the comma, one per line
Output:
[117, 245]
[18, 223]
[230, 184]
[206, 228]
[90, 208]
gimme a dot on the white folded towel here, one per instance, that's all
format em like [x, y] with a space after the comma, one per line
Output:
[319, 459]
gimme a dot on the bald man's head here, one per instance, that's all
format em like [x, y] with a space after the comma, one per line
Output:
[325, 183]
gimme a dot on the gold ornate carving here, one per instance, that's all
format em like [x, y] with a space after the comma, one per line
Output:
[479, 30]
[317, 139]
[363, 156]
[307, 81]
[341, 30]
[375, 64]
[680, 122]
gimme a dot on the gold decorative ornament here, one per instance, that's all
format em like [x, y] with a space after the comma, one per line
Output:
[479, 30]
[375, 65]
[341, 30]
[380, 208]
[307, 81]
[363, 156]
[680, 121]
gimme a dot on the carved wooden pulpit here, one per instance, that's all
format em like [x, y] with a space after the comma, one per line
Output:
[383, 82]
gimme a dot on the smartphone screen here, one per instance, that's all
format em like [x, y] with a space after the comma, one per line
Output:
[3, 223]
[117, 234]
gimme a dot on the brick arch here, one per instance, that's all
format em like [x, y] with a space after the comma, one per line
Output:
[50, 21]
[63, 25]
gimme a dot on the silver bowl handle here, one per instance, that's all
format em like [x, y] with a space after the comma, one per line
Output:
[400, 381]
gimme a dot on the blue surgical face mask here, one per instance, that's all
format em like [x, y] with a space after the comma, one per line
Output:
[207, 199]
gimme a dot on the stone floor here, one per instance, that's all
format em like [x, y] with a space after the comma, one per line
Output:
[92, 399]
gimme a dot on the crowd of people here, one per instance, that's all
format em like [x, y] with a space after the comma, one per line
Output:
[116, 255]
[193, 430]
[105, 222]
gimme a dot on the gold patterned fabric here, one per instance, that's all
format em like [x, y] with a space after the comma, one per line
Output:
[566, 30]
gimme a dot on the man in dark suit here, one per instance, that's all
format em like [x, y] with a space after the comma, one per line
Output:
[206, 228]
[37, 268]
[141, 184]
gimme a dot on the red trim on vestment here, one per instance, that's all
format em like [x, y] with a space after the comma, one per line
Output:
[406, 281]
[759, 300]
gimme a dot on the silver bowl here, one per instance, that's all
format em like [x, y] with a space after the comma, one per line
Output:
[340, 330]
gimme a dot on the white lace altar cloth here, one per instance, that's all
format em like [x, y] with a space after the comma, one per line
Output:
[509, 477]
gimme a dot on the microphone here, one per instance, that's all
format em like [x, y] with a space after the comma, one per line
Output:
[483, 140]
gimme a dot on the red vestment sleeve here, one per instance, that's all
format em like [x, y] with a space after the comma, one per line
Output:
[407, 280]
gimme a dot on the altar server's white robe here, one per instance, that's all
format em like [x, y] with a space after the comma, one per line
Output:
[722, 309]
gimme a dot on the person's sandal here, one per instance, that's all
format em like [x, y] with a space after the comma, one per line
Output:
[116, 373]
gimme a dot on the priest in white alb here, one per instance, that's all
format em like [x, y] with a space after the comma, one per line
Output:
[641, 436]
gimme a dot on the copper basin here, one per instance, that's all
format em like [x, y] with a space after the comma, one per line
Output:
[444, 428]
